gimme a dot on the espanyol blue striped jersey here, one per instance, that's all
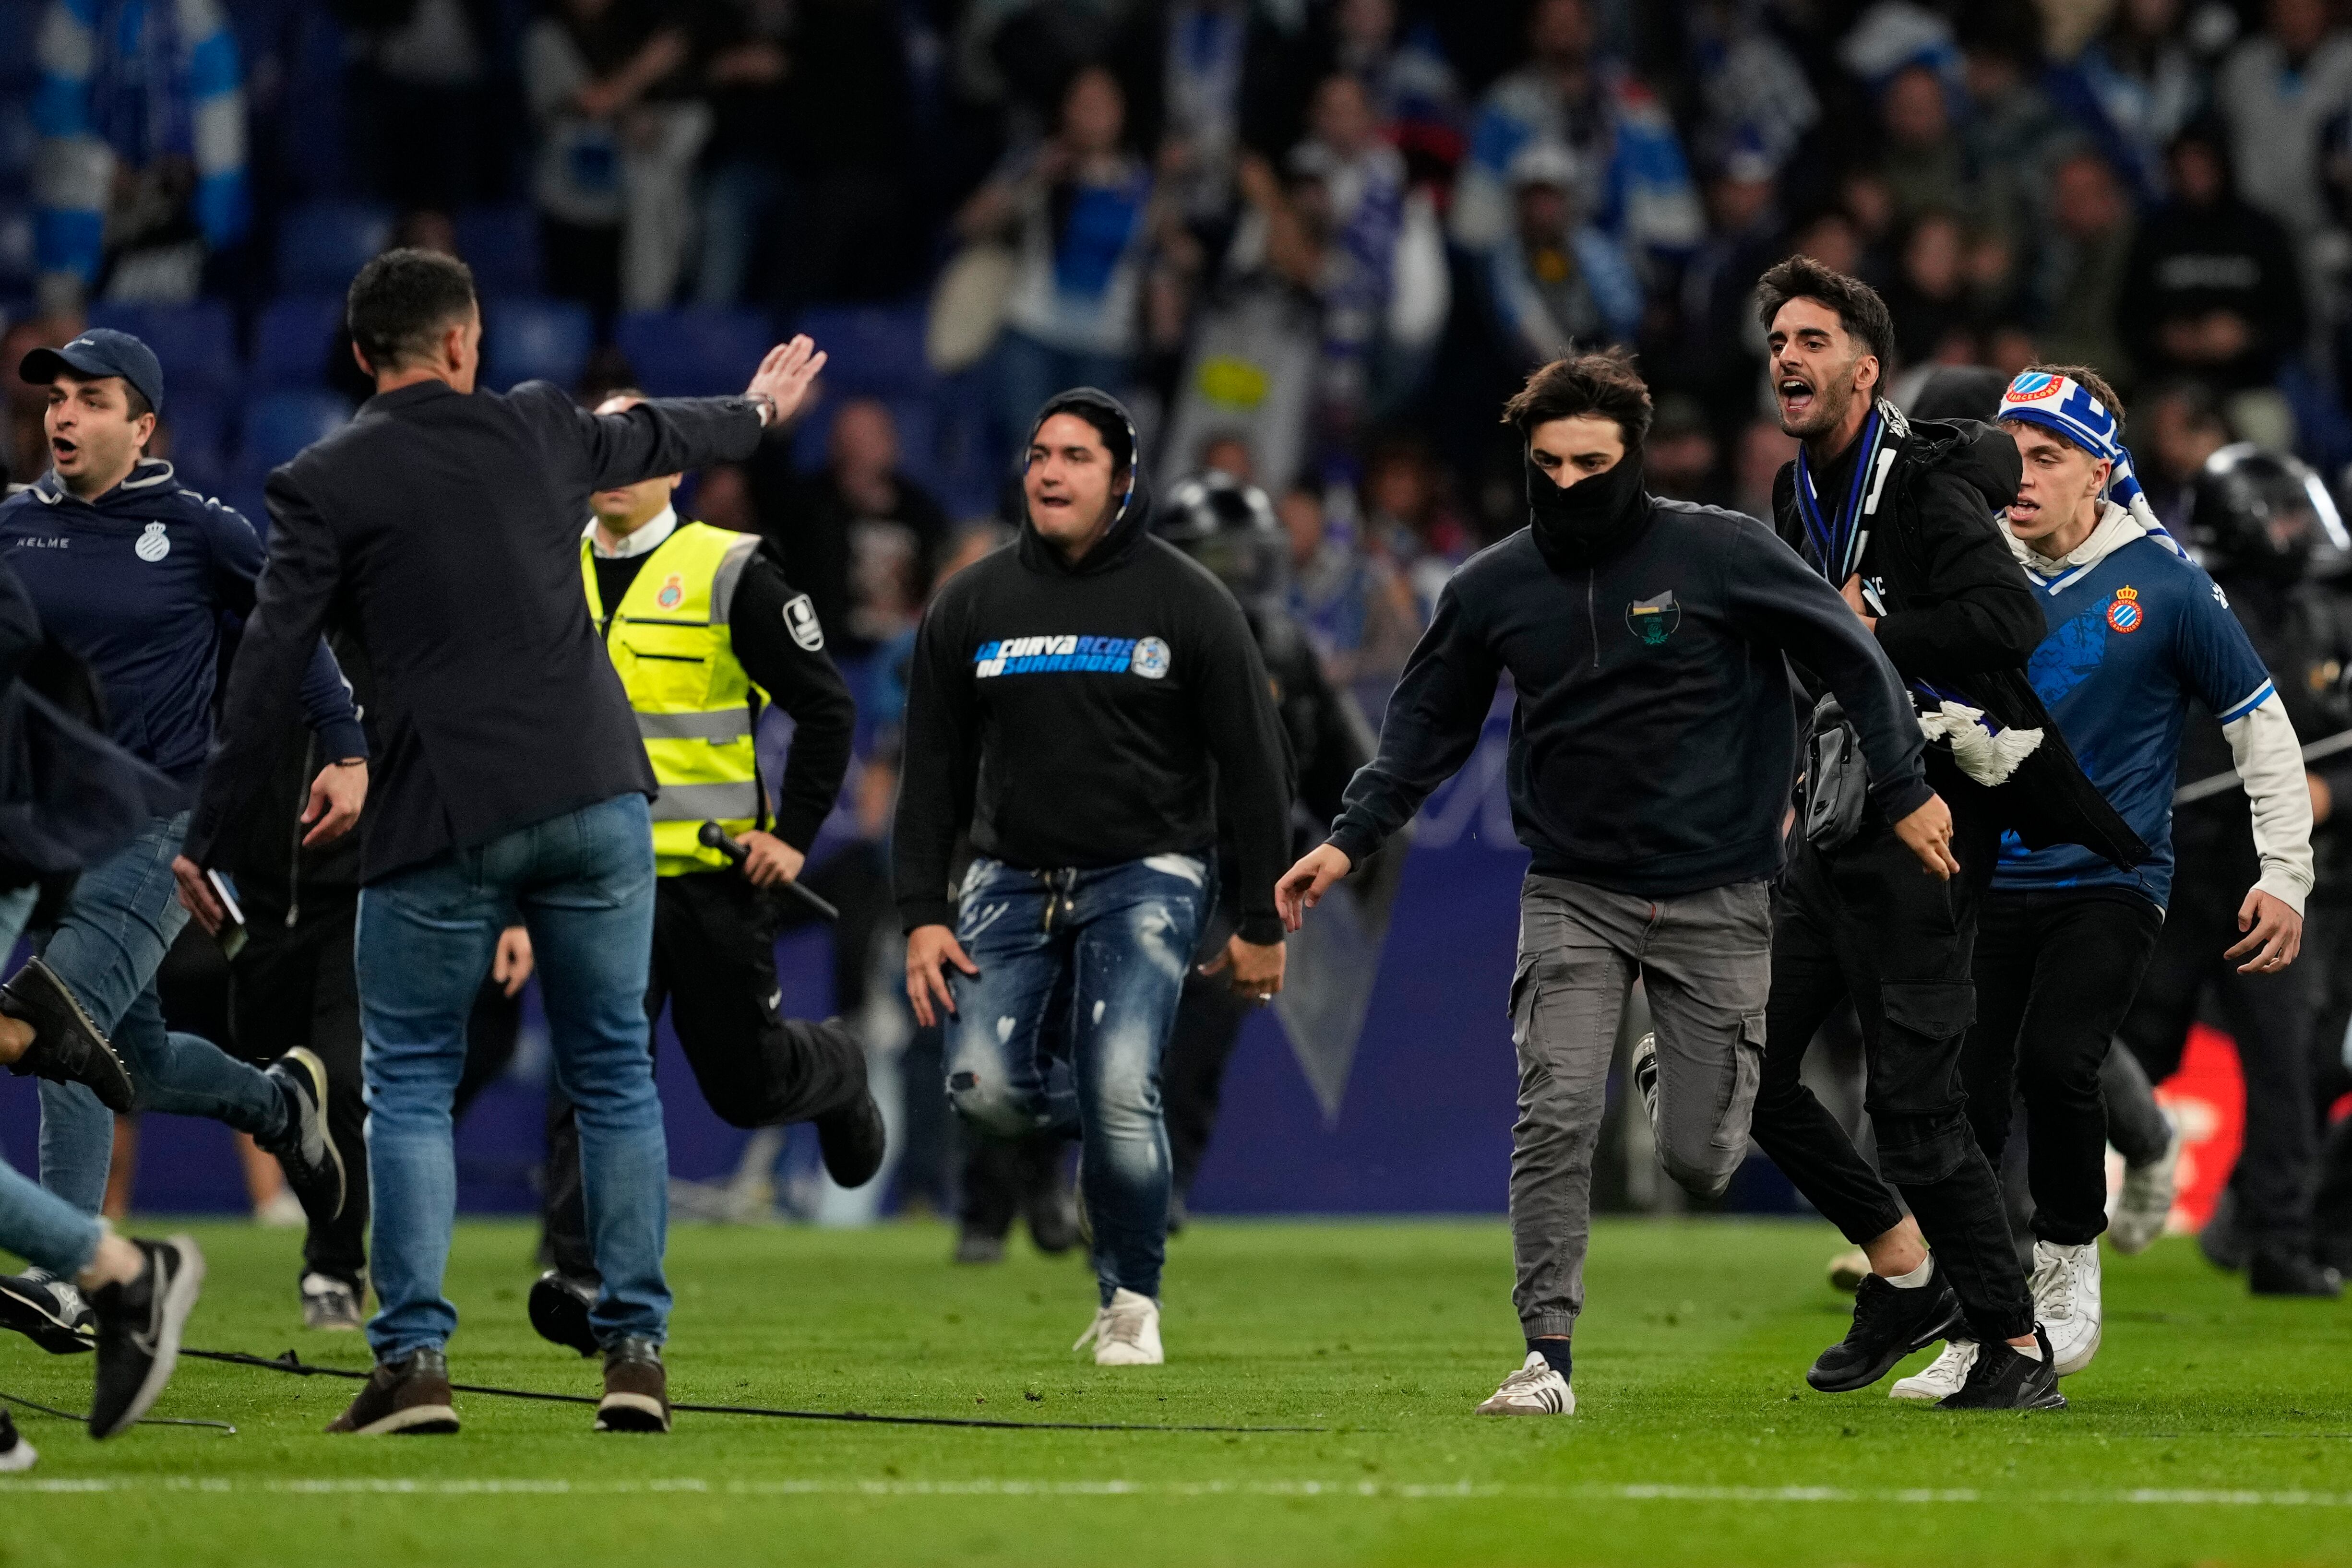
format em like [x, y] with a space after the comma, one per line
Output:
[2132, 636]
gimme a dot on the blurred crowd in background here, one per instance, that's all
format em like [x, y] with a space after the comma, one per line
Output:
[1314, 243]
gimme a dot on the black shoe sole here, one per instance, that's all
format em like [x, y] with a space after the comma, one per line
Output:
[853, 1141]
[315, 1071]
[618, 1415]
[36, 1322]
[37, 996]
[1857, 1381]
[2051, 1400]
[560, 1317]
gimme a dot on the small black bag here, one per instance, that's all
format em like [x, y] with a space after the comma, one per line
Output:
[1837, 780]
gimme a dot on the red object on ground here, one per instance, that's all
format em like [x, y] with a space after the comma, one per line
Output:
[2206, 1098]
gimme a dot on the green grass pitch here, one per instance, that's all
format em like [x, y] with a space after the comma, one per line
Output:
[2213, 1428]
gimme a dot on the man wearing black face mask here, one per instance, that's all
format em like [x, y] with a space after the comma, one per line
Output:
[1652, 748]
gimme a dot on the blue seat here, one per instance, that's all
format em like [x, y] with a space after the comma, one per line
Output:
[322, 245]
[196, 343]
[501, 245]
[535, 340]
[20, 27]
[694, 352]
[292, 340]
[280, 424]
[873, 348]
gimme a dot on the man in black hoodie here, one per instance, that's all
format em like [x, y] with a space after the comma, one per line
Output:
[1899, 516]
[1653, 746]
[1090, 705]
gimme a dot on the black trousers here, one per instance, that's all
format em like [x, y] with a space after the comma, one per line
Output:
[1209, 1022]
[1867, 923]
[2269, 1017]
[714, 965]
[2055, 972]
[2327, 945]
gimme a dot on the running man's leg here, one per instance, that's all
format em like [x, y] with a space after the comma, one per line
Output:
[1706, 966]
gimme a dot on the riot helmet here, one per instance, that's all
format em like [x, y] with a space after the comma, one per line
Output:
[1230, 528]
[2266, 514]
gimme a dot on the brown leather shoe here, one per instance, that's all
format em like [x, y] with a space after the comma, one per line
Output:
[636, 1388]
[409, 1397]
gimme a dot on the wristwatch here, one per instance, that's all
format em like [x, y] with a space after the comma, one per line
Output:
[765, 404]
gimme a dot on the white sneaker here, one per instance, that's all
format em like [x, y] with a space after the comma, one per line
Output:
[1126, 1333]
[1943, 1376]
[2137, 1214]
[328, 1303]
[1535, 1389]
[1848, 1269]
[283, 1212]
[1644, 1064]
[2066, 1300]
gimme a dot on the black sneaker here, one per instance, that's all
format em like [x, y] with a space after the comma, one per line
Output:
[636, 1388]
[559, 1311]
[408, 1398]
[852, 1139]
[2002, 1379]
[139, 1328]
[2275, 1272]
[45, 1310]
[2222, 1239]
[1889, 1324]
[973, 1245]
[314, 1165]
[1049, 1205]
[68, 1045]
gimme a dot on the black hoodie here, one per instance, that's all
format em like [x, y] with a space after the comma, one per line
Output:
[1089, 716]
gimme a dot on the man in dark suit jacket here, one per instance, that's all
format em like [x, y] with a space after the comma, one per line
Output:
[443, 526]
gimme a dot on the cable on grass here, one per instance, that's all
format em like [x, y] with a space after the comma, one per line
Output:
[294, 1365]
[18, 1399]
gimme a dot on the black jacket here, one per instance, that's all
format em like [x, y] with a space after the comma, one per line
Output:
[2187, 262]
[444, 528]
[1653, 738]
[1087, 715]
[1958, 614]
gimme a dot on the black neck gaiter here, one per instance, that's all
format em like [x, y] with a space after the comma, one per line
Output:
[1592, 519]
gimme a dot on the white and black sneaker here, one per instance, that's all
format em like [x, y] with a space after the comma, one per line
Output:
[2143, 1204]
[1126, 1333]
[1645, 1068]
[45, 1310]
[330, 1304]
[139, 1324]
[1943, 1377]
[15, 1454]
[2066, 1300]
[314, 1165]
[1535, 1389]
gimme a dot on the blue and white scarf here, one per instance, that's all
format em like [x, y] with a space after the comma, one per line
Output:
[1838, 536]
[2068, 410]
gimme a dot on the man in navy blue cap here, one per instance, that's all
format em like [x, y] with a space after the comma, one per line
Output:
[133, 574]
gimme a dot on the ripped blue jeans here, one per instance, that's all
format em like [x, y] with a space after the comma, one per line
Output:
[1063, 1028]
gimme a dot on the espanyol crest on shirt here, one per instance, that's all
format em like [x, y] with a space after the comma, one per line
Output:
[153, 544]
[673, 588]
[1151, 659]
[2124, 613]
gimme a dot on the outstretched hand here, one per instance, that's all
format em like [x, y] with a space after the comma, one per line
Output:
[1302, 887]
[786, 375]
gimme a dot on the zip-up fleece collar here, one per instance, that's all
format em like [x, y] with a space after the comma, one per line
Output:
[1127, 530]
[147, 476]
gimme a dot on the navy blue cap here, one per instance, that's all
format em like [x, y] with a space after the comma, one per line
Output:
[100, 351]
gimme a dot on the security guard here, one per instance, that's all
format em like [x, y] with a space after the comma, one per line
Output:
[704, 631]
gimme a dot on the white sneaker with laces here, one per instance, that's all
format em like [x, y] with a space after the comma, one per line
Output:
[330, 1304]
[1535, 1389]
[2066, 1300]
[2137, 1216]
[1943, 1376]
[1126, 1333]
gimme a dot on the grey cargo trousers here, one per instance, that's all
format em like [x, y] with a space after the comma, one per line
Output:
[1705, 961]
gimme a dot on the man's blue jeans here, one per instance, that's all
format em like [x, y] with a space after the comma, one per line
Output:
[121, 919]
[584, 883]
[1063, 1029]
[37, 1224]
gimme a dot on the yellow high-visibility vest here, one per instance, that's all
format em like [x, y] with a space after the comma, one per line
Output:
[695, 702]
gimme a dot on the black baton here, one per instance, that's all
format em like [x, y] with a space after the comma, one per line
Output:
[714, 837]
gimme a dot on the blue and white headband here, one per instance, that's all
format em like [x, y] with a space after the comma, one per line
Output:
[2067, 408]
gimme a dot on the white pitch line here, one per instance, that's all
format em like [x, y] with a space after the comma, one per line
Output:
[1438, 1491]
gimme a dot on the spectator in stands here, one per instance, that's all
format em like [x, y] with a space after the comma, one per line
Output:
[1679, 455]
[2178, 427]
[425, 107]
[1754, 96]
[2211, 290]
[1569, 93]
[1934, 318]
[2141, 84]
[140, 121]
[1412, 86]
[1204, 80]
[610, 86]
[1764, 448]
[2275, 92]
[749, 171]
[1558, 286]
[1922, 163]
[1408, 520]
[1357, 608]
[1833, 239]
[2079, 278]
[1079, 210]
[858, 537]
[2011, 131]
[1716, 349]
[851, 115]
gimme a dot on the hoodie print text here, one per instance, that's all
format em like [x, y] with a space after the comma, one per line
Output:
[1147, 656]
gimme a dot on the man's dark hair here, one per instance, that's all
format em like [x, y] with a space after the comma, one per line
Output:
[1603, 384]
[2091, 381]
[1106, 422]
[140, 407]
[1859, 308]
[402, 301]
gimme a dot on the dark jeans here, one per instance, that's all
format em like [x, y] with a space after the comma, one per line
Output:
[2056, 973]
[1867, 924]
[714, 965]
[2269, 1017]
